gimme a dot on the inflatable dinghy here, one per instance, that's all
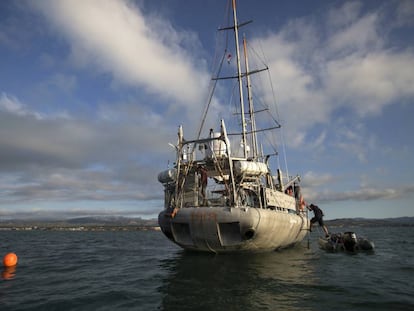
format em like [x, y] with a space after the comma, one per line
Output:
[347, 241]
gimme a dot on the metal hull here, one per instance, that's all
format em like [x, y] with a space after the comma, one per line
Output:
[226, 229]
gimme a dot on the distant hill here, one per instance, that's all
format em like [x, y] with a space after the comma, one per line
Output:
[112, 220]
[118, 221]
[369, 222]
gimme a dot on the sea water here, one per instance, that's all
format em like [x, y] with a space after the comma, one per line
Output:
[143, 270]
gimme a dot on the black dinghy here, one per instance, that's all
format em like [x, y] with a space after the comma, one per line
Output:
[347, 242]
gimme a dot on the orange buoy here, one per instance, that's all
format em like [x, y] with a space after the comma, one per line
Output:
[10, 260]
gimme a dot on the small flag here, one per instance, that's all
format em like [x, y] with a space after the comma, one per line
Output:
[228, 58]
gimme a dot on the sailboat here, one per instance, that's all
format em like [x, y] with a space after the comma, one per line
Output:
[221, 196]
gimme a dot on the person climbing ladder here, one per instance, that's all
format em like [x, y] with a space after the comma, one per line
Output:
[318, 217]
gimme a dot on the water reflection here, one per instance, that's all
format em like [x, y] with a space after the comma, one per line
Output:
[277, 280]
[8, 273]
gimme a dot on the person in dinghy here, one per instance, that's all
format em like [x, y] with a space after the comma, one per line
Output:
[318, 217]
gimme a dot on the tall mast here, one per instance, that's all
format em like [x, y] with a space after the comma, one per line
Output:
[239, 78]
[250, 102]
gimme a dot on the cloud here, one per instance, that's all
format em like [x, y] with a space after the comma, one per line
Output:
[349, 63]
[10, 104]
[365, 194]
[315, 180]
[66, 210]
[320, 188]
[300, 100]
[68, 158]
[140, 51]
[357, 36]
[346, 66]
[75, 185]
[62, 139]
[344, 16]
[368, 83]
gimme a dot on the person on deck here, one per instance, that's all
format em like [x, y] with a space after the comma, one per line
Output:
[317, 218]
[289, 191]
[299, 198]
[203, 181]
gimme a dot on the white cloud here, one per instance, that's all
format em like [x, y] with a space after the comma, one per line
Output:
[70, 161]
[359, 36]
[318, 188]
[296, 87]
[348, 64]
[11, 104]
[118, 39]
[344, 16]
[316, 180]
[369, 83]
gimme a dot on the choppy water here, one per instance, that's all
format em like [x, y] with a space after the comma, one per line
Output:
[144, 271]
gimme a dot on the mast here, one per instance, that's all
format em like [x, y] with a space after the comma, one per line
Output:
[239, 78]
[250, 102]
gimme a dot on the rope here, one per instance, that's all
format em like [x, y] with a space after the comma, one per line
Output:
[210, 97]
[216, 74]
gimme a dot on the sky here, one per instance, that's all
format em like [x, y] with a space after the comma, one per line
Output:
[92, 92]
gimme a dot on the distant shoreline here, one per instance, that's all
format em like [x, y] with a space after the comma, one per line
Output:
[138, 224]
[77, 228]
[99, 223]
[368, 222]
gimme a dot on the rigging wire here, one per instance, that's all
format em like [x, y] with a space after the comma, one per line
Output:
[215, 74]
[282, 138]
[210, 97]
[219, 59]
[271, 141]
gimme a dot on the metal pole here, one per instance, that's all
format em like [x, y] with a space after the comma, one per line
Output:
[239, 78]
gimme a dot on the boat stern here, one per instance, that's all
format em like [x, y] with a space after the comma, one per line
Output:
[228, 229]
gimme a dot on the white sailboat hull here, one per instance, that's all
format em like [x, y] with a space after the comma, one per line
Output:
[226, 229]
[221, 195]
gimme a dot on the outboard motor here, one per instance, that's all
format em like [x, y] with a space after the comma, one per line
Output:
[350, 241]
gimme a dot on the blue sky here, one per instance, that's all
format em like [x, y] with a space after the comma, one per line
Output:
[92, 92]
